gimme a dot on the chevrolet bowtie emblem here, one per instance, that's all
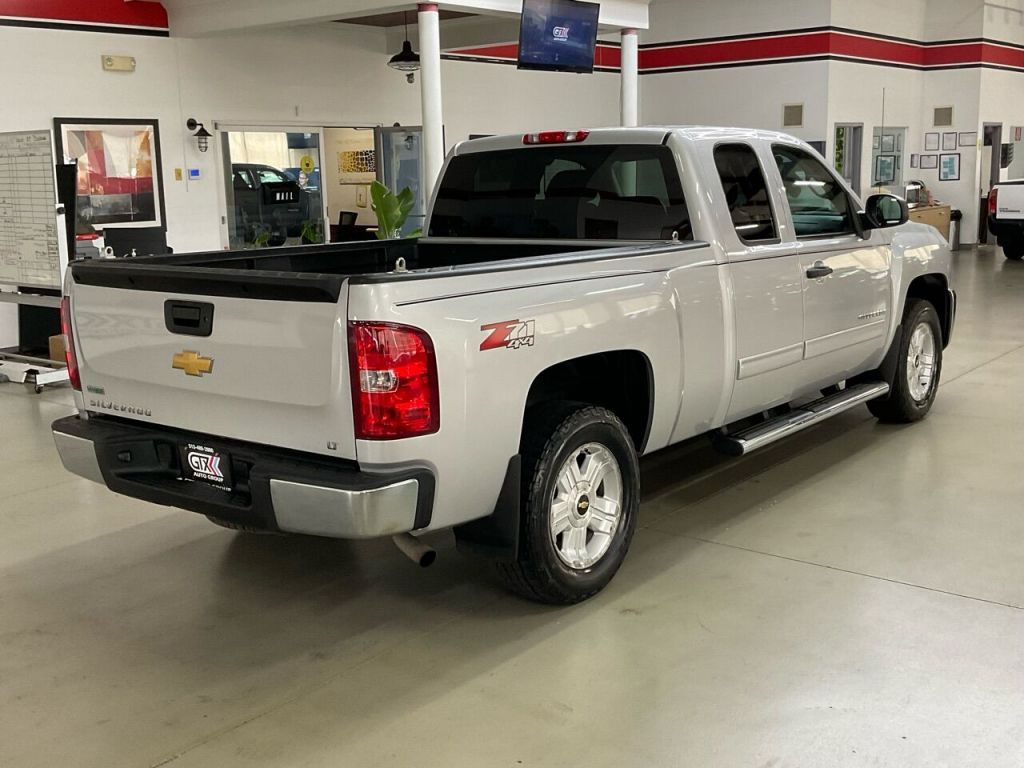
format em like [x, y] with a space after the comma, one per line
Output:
[192, 364]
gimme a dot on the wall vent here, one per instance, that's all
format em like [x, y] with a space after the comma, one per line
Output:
[943, 117]
[792, 116]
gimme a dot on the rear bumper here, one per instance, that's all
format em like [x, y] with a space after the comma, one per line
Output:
[273, 488]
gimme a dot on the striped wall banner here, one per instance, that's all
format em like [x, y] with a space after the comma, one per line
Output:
[138, 17]
[787, 47]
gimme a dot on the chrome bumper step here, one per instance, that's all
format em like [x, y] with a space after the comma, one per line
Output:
[758, 436]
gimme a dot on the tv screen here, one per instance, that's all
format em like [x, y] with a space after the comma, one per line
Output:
[558, 35]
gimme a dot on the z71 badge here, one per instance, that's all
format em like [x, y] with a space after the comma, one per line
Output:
[511, 334]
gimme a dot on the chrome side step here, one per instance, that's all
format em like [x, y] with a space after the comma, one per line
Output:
[760, 435]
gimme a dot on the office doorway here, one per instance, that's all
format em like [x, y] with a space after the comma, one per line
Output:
[991, 166]
[849, 148]
[888, 151]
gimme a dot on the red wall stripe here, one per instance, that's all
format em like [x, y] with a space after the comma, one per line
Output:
[104, 12]
[782, 46]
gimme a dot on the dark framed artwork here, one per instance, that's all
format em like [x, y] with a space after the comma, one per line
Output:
[119, 179]
[931, 142]
[929, 162]
[949, 167]
[885, 169]
[888, 143]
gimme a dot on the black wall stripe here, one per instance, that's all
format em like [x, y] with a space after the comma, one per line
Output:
[72, 27]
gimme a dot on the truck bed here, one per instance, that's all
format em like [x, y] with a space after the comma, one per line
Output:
[309, 273]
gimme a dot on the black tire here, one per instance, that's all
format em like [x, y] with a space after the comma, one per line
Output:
[1013, 249]
[552, 435]
[237, 526]
[900, 406]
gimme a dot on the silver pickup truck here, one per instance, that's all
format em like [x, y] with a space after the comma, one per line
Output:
[580, 299]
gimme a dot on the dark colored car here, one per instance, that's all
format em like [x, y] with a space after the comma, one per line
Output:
[268, 201]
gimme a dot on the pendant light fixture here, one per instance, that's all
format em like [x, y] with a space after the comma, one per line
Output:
[406, 60]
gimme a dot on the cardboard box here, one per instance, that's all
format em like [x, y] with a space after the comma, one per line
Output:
[58, 344]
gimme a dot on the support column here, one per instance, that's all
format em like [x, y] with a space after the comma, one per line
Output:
[630, 78]
[430, 84]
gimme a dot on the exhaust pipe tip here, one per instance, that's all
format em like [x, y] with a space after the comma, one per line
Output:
[421, 554]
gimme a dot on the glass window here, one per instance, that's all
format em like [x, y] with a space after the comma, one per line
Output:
[573, 191]
[271, 176]
[746, 193]
[819, 203]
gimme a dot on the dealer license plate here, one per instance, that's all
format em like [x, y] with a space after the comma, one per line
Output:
[203, 464]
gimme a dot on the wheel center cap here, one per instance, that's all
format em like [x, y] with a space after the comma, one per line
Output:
[583, 505]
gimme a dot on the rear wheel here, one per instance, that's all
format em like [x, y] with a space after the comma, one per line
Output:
[918, 367]
[1013, 248]
[581, 494]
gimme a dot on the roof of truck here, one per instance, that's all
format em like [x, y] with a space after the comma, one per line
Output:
[654, 134]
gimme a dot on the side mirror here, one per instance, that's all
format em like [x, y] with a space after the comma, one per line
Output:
[881, 211]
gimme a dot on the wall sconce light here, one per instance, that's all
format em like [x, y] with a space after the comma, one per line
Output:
[202, 136]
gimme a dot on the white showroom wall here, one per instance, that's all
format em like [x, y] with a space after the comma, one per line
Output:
[749, 96]
[328, 74]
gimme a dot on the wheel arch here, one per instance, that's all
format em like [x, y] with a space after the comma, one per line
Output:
[620, 380]
[934, 288]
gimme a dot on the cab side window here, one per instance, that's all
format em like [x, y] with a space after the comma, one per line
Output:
[746, 193]
[819, 203]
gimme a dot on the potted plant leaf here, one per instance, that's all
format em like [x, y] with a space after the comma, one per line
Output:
[392, 211]
[311, 232]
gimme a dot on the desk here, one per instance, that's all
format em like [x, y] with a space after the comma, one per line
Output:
[352, 233]
[935, 215]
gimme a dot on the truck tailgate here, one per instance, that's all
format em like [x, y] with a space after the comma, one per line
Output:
[269, 371]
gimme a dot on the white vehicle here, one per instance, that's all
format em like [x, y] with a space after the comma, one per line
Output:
[1006, 217]
[580, 299]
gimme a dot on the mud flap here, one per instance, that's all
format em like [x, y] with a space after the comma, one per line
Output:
[496, 537]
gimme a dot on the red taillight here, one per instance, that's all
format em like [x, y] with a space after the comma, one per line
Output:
[993, 202]
[69, 343]
[394, 381]
[556, 137]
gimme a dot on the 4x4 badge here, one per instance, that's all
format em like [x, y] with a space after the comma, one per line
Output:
[192, 363]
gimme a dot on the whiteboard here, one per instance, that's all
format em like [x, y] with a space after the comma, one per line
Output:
[29, 252]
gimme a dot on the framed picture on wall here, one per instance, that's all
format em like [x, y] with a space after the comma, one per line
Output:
[929, 162]
[914, 161]
[969, 139]
[119, 177]
[931, 142]
[885, 169]
[949, 141]
[876, 143]
[949, 167]
[888, 143]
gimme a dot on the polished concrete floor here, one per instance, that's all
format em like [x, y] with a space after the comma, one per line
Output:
[851, 597]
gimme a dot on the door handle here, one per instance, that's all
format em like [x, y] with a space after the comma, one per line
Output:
[819, 270]
[189, 318]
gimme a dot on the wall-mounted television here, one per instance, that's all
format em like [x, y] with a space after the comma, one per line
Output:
[558, 35]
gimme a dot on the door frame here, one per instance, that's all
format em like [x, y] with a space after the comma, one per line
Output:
[855, 151]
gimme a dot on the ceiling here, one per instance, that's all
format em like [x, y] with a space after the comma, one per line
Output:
[399, 18]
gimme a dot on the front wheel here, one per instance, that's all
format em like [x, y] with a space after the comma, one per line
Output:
[581, 495]
[918, 366]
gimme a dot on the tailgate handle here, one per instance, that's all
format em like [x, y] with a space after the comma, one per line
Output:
[189, 318]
